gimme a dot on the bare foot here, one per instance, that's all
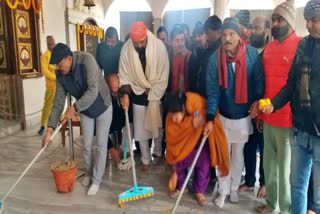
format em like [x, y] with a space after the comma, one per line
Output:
[245, 188]
[261, 192]
[175, 193]
[263, 209]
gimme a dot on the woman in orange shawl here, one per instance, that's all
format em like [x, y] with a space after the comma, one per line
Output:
[184, 127]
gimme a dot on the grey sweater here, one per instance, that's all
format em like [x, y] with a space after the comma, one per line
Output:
[85, 74]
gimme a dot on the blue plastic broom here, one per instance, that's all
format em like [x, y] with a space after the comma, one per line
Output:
[136, 192]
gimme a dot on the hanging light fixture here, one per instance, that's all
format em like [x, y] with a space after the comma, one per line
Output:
[89, 3]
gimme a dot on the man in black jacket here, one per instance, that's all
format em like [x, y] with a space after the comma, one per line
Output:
[303, 91]
[198, 75]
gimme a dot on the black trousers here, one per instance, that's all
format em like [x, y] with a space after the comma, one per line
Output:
[250, 158]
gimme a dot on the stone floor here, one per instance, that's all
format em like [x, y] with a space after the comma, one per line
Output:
[36, 193]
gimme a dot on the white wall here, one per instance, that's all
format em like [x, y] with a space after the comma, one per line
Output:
[54, 22]
[34, 89]
[33, 94]
[112, 17]
[77, 13]
[301, 23]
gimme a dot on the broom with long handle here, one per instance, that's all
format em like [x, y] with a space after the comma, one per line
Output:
[28, 167]
[203, 140]
[136, 192]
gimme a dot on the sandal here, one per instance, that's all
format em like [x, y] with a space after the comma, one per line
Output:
[263, 209]
[172, 184]
[201, 199]
[246, 188]
[175, 193]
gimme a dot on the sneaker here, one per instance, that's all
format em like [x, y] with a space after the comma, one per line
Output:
[201, 199]
[246, 188]
[219, 201]
[234, 197]
[93, 189]
[41, 131]
[211, 186]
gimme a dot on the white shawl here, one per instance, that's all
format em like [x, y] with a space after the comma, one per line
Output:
[154, 78]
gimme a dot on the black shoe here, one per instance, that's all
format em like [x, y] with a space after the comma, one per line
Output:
[156, 156]
[41, 131]
[211, 186]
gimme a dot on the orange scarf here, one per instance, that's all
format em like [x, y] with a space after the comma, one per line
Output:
[182, 138]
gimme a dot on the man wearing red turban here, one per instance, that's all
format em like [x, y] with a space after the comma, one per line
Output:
[143, 73]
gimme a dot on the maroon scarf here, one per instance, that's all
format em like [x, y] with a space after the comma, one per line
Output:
[240, 93]
[179, 69]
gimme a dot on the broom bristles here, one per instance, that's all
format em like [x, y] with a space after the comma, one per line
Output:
[135, 193]
[136, 197]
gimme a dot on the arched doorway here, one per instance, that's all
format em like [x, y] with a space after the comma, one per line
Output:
[90, 42]
[122, 13]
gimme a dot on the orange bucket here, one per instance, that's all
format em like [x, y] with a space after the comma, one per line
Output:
[64, 173]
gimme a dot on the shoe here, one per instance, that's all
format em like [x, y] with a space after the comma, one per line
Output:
[261, 192]
[175, 193]
[93, 189]
[137, 152]
[246, 188]
[310, 212]
[234, 197]
[156, 156]
[86, 181]
[201, 199]
[157, 159]
[219, 201]
[242, 179]
[263, 209]
[211, 186]
[41, 131]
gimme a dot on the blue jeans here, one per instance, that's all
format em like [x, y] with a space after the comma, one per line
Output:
[305, 157]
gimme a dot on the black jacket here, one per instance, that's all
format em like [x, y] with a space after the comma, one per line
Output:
[307, 57]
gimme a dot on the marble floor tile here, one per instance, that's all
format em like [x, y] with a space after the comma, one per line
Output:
[36, 193]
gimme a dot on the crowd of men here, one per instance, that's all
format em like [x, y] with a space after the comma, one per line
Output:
[181, 88]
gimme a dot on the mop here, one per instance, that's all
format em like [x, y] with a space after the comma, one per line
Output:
[173, 210]
[136, 192]
[27, 169]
